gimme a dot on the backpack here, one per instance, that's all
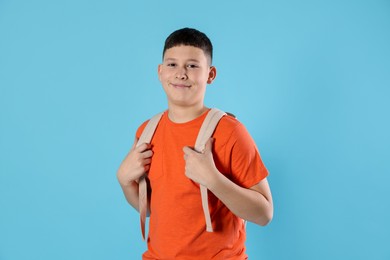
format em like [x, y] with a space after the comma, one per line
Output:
[207, 129]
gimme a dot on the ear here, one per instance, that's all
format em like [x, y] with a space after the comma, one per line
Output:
[159, 70]
[212, 75]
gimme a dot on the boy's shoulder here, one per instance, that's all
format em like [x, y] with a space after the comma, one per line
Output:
[141, 128]
[227, 125]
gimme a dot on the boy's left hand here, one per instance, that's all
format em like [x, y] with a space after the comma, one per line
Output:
[200, 167]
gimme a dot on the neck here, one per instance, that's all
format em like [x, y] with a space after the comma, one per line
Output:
[185, 114]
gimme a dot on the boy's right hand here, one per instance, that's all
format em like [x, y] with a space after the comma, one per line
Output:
[136, 163]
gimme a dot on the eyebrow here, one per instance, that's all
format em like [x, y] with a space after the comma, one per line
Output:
[189, 60]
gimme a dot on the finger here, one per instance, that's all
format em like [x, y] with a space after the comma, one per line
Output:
[143, 147]
[135, 142]
[209, 145]
[147, 154]
[187, 150]
[147, 161]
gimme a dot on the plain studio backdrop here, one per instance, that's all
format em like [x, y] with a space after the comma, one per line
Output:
[309, 79]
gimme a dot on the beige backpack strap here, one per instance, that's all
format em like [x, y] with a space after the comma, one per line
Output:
[206, 131]
[145, 137]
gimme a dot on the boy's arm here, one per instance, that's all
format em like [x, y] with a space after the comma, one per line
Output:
[135, 164]
[253, 204]
[130, 191]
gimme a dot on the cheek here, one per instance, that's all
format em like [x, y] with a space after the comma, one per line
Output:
[201, 79]
[165, 75]
[163, 79]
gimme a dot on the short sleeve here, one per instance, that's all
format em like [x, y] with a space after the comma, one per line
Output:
[247, 167]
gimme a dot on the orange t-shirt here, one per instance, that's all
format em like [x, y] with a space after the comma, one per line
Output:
[177, 228]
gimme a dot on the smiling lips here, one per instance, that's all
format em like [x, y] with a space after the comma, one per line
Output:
[180, 85]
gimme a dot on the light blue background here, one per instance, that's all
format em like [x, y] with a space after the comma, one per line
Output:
[309, 79]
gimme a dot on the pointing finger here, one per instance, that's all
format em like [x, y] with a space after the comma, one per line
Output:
[143, 147]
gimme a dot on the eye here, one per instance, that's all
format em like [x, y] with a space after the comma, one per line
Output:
[171, 65]
[192, 66]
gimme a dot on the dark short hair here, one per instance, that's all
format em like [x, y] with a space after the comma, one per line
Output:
[189, 37]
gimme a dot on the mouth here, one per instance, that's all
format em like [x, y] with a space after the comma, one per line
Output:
[181, 86]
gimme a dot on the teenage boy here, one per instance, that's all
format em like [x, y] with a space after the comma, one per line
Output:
[230, 166]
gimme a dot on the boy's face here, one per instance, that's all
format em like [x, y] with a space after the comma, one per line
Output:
[184, 74]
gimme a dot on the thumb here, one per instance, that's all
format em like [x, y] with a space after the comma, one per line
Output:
[135, 142]
[187, 150]
[209, 145]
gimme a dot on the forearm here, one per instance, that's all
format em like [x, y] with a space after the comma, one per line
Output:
[131, 194]
[245, 203]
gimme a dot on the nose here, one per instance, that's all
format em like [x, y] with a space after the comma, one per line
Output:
[181, 74]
